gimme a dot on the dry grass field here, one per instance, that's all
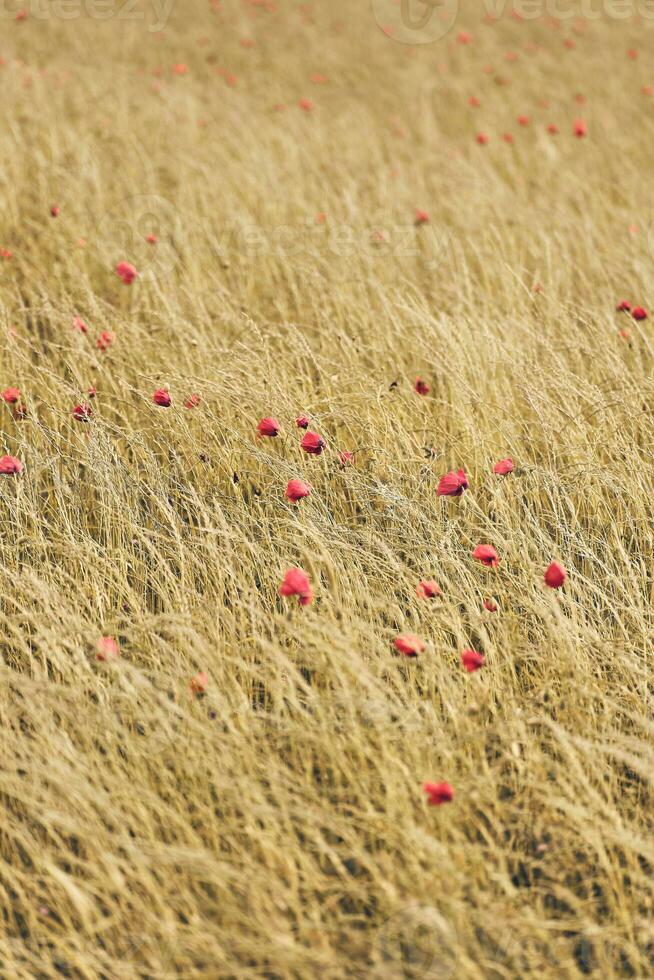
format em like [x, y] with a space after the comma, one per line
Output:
[268, 820]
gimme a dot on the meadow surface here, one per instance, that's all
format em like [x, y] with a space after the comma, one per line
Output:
[338, 205]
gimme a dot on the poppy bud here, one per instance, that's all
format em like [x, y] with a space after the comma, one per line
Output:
[268, 427]
[555, 575]
[313, 444]
[126, 272]
[410, 645]
[107, 649]
[105, 340]
[82, 413]
[199, 683]
[162, 398]
[438, 793]
[639, 313]
[472, 660]
[428, 589]
[10, 465]
[297, 489]
[486, 554]
[296, 582]
[452, 484]
[490, 605]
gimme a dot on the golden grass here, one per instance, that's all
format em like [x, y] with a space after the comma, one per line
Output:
[277, 826]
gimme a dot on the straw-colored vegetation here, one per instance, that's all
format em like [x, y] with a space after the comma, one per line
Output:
[276, 826]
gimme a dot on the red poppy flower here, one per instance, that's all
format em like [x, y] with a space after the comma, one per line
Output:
[504, 466]
[296, 582]
[486, 554]
[55, 211]
[268, 427]
[297, 489]
[555, 575]
[199, 683]
[422, 217]
[126, 272]
[428, 589]
[313, 444]
[580, 127]
[345, 458]
[11, 395]
[523, 120]
[192, 401]
[553, 129]
[151, 239]
[82, 413]
[474, 102]
[452, 484]
[306, 105]
[639, 313]
[78, 324]
[490, 605]
[302, 422]
[421, 387]
[91, 392]
[105, 340]
[438, 793]
[472, 660]
[624, 306]
[162, 398]
[180, 69]
[409, 644]
[482, 139]
[625, 333]
[10, 465]
[107, 649]
[507, 137]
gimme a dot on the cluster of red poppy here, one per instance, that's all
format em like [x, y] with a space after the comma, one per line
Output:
[579, 129]
[296, 582]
